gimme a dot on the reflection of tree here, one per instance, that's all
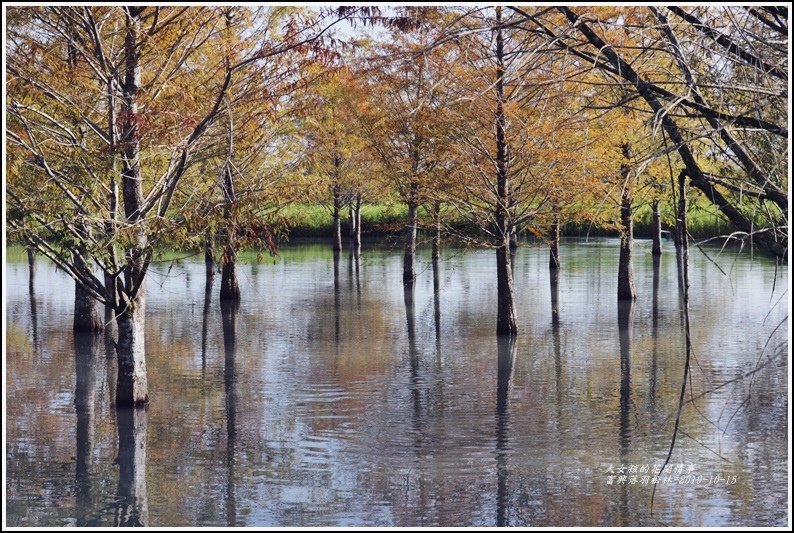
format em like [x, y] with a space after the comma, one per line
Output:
[87, 352]
[229, 312]
[337, 303]
[132, 506]
[413, 360]
[625, 319]
[437, 303]
[205, 321]
[506, 348]
[34, 317]
[654, 333]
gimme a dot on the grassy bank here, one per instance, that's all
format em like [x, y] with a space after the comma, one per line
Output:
[381, 220]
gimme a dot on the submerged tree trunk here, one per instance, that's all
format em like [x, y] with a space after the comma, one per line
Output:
[656, 220]
[626, 289]
[86, 308]
[132, 384]
[506, 309]
[209, 259]
[131, 499]
[230, 288]
[357, 240]
[554, 244]
[337, 218]
[681, 234]
[437, 233]
[355, 225]
[412, 222]
[31, 267]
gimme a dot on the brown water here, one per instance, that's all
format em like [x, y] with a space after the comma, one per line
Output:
[325, 400]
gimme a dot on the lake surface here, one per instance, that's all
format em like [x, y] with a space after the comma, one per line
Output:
[329, 398]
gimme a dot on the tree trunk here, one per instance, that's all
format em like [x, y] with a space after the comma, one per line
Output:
[357, 238]
[626, 289]
[657, 229]
[131, 500]
[131, 385]
[86, 312]
[681, 234]
[554, 244]
[230, 289]
[337, 215]
[437, 233]
[355, 225]
[412, 222]
[31, 268]
[554, 284]
[773, 242]
[506, 309]
[209, 260]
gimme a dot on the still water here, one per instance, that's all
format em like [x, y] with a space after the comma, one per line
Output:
[330, 397]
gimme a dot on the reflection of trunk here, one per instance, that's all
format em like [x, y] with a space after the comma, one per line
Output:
[87, 356]
[86, 312]
[357, 263]
[205, 316]
[437, 301]
[554, 279]
[337, 300]
[654, 330]
[625, 319]
[131, 386]
[412, 222]
[413, 358]
[437, 233]
[554, 244]
[229, 312]
[656, 222]
[132, 502]
[506, 309]
[34, 316]
[626, 290]
[506, 353]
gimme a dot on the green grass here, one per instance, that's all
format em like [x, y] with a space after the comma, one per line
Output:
[312, 220]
